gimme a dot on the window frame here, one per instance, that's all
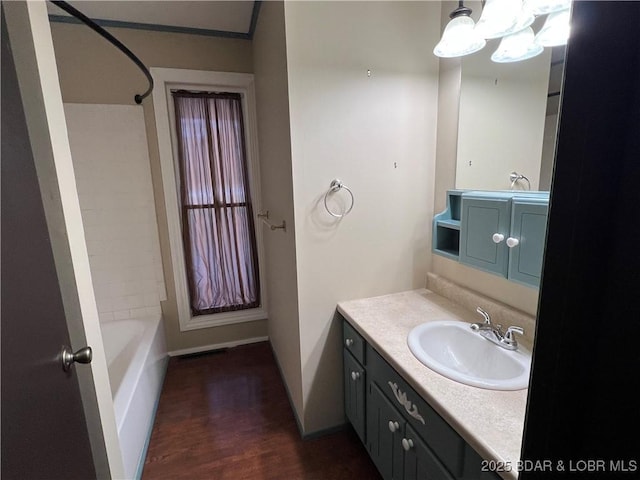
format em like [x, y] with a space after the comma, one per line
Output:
[165, 80]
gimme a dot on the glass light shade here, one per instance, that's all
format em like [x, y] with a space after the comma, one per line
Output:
[555, 30]
[499, 17]
[516, 47]
[542, 7]
[525, 18]
[459, 38]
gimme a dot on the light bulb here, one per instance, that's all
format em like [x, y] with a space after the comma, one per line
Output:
[459, 38]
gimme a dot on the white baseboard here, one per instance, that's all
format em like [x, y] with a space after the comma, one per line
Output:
[217, 346]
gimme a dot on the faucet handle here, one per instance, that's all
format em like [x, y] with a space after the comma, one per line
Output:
[509, 334]
[485, 315]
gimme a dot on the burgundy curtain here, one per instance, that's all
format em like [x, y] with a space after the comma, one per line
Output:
[217, 217]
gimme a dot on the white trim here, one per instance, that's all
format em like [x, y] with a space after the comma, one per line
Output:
[217, 346]
[165, 79]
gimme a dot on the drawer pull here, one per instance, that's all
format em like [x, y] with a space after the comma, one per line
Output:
[355, 376]
[409, 406]
[393, 426]
[407, 444]
[348, 342]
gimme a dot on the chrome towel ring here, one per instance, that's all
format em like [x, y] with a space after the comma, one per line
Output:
[515, 177]
[335, 186]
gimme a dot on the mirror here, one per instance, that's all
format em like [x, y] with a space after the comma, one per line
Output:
[508, 118]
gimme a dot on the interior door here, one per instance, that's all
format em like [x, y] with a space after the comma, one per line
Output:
[44, 433]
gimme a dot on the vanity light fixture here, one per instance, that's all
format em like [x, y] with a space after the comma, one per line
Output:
[516, 47]
[543, 7]
[459, 37]
[502, 17]
[510, 20]
[555, 30]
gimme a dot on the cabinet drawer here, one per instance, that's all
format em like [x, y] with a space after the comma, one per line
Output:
[353, 342]
[448, 446]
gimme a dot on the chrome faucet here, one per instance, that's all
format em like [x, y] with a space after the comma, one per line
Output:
[494, 333]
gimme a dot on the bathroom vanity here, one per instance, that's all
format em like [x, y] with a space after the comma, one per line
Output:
[414, 422]
[499, 232]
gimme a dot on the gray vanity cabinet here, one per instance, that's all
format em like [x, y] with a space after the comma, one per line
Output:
[405, 437]
[385, 427]
[396, 449]
[355, 379]
[354, 393]
[420, 463]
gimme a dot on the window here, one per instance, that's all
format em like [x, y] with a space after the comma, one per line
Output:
[216, 212]
[222, 194]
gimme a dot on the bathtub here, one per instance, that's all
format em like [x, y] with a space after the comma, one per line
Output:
[137, 358]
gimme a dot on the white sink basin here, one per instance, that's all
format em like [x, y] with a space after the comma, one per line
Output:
[452, 349]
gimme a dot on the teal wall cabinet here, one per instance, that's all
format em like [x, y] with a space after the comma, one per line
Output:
[499, 232]
[485, 226]
[526, 240]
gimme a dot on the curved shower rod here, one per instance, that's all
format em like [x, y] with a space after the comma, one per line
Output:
[97, 28]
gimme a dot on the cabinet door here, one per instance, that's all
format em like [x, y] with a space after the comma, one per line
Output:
[482, 218]
[385, 428]
[419, 461]
[354, 394]
[528, 228]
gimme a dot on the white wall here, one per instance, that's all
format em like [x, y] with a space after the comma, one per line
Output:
[111, 164]
[502, 116]
[377, 134]
[272, 104]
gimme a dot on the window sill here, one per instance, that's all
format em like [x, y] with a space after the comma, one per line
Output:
[227, 318]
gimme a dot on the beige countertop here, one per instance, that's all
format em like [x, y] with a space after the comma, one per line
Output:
[491, 421]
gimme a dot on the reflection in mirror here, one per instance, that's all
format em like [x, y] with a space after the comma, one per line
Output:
[508, 119]
[551, 118]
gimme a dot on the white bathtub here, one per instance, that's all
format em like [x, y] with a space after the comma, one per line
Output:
[137, 357]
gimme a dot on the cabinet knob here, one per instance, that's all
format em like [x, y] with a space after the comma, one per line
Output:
[355, 376]
[497, 237]
[348, 342]
[407, 444]
[512, 242]
[393, 426]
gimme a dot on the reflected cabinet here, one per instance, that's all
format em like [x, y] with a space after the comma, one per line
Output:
[499, 232]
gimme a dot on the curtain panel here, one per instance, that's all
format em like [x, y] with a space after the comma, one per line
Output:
[217, 216]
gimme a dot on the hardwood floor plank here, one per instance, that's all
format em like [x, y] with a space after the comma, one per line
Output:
[226, 416]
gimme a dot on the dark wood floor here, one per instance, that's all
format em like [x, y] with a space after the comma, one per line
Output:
[226, 416]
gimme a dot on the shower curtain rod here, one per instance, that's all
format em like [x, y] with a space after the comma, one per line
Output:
[119, 45]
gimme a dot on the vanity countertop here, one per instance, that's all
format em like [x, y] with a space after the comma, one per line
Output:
[491, 421]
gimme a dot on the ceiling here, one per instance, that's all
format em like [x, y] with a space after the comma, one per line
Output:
[213, 16]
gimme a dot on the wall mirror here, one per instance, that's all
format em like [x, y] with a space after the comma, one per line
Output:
[508, 118]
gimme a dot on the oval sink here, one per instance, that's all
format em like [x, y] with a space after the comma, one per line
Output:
[452, 349]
